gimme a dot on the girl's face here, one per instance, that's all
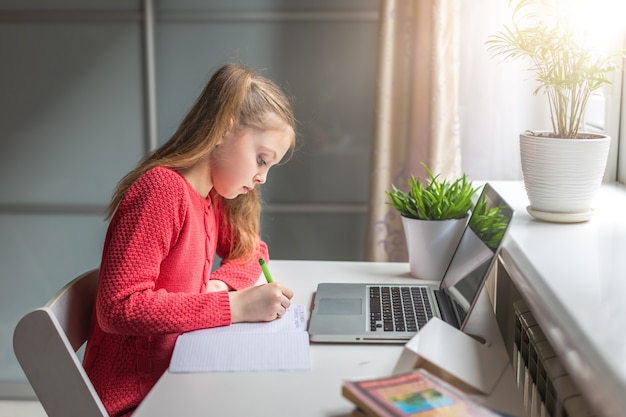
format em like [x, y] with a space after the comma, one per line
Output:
[244, 157]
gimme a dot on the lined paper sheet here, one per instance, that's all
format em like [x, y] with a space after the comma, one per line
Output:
[279, 345]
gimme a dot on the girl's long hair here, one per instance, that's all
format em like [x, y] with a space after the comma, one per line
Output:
[235, 96]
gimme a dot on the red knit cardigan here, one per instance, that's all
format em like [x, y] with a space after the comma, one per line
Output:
[156, 262]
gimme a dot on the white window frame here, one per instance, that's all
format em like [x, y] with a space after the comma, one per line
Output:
[606, 113]
[621, 126]
[616, 119]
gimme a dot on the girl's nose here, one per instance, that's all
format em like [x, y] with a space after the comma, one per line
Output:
[259, 179]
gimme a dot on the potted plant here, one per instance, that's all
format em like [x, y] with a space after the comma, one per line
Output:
[562, 168]
[433, 217]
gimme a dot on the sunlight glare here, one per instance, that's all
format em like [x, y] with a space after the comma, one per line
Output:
[600, 22]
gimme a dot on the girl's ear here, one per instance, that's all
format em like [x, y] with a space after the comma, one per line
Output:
[229, 130]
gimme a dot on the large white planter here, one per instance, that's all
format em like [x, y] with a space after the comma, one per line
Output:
[562, 176]
[431, 244]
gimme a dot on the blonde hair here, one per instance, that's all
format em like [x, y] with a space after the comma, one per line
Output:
[234, 96]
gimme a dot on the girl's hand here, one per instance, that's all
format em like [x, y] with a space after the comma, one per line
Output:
[215, 285]
[265, 302]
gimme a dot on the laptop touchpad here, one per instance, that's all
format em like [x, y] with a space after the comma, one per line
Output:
[340, 306]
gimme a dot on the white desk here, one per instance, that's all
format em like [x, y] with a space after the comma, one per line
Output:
[573, 277]
[318, 392]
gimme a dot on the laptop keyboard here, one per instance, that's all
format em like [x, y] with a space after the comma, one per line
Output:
[402, 309]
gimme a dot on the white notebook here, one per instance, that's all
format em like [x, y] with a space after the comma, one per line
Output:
[279, 345]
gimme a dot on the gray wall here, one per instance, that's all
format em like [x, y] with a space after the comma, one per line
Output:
[75, 118]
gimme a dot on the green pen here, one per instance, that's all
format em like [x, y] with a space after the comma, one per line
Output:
[266, 272]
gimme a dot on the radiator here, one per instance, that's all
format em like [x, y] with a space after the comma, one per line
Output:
[547, 389]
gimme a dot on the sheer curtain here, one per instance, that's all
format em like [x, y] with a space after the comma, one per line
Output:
[416, 110]
[496, 100]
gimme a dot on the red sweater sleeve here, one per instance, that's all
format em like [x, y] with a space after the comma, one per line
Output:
[238, 274]
[136, 296]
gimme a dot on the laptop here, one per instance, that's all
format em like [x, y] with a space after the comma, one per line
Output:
[394, 313]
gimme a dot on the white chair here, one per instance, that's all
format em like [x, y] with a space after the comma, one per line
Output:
[45, 342]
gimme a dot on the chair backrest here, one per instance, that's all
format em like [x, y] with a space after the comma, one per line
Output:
[45, 342]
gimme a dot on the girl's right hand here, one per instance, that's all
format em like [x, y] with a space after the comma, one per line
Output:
[265, 302]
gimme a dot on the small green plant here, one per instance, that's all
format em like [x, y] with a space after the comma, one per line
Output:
[438, 200]
[567, 68]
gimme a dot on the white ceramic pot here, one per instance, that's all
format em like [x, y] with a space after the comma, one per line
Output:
[562, 176]
[431, 244]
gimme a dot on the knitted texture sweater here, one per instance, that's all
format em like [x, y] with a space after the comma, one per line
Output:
[156, 262]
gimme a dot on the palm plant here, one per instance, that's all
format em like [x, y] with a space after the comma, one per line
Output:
[567, 68]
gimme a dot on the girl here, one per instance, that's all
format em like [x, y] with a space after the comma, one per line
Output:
[193, 198]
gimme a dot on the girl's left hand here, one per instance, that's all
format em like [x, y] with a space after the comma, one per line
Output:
[215, 285]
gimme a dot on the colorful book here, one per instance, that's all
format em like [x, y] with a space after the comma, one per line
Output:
[418, 393]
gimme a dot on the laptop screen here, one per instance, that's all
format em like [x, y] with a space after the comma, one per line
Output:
[476, 251]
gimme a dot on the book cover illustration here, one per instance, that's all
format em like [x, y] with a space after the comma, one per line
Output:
[417, 393]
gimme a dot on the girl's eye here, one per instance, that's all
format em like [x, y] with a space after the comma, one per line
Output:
[260, 160]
